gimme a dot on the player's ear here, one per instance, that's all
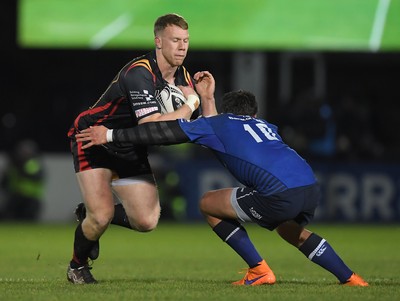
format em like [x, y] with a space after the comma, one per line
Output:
[157, 42]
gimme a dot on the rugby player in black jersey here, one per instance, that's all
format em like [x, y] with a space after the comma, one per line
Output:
[132, 98]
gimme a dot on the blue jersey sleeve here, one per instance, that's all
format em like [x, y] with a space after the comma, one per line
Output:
[201, 132]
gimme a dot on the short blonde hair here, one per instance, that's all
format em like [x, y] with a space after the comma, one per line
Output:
[169, 19]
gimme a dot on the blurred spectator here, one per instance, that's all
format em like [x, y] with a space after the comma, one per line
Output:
[173, 204]
[23, 183]
[356, 138]
[345, 130]
[308, 125]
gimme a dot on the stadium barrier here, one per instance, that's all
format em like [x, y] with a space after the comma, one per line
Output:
[350, 192]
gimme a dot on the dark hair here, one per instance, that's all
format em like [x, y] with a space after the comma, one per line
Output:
[169, 19]
[239, 103]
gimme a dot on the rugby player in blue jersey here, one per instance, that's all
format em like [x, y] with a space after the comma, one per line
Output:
[280, 190]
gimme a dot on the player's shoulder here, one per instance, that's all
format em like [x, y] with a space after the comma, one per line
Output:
[143, 65]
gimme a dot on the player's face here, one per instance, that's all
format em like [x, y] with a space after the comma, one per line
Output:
[174, 44]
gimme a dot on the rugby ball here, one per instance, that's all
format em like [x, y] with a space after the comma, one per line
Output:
[170, 99]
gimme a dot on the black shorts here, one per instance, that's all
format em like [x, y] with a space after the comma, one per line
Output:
[270, 211]
[99, 157]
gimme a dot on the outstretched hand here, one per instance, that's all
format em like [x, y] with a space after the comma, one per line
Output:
[205, 84]
[95, 135]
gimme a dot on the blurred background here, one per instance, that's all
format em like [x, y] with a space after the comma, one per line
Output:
[326, 72]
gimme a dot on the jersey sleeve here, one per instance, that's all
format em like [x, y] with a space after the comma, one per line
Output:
[151, 133]
[178, 131]
[200, 131]
[139, 84]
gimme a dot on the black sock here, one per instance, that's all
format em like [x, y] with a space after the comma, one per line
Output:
[225, 228]
[120, 218]
[319, 251]
[82, 247]
[232, 233]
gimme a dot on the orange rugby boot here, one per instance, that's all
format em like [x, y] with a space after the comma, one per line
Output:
[355, 280]
[261, 274]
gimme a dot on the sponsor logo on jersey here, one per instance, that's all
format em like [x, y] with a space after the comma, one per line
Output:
[255, 213]
[148, 97]
[136, 95]
[321, 251]
[244, 118]
[145, 111]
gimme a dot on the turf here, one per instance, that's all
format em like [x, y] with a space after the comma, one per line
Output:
[214, 25]
[188, 262]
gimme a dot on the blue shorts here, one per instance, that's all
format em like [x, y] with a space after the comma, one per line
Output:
[270, 211]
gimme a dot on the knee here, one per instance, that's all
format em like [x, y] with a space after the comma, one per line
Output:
[293, 233]
[99, 221]
[204, 203]
[145, 223]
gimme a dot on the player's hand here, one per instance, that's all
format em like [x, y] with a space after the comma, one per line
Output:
[192, 99]
[187, 90]
[205, 84]
[95, 135]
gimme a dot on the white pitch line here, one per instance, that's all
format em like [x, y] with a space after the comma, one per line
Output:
[379, 25]
[110, 31]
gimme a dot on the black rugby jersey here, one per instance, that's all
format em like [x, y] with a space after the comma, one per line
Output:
[130, 96]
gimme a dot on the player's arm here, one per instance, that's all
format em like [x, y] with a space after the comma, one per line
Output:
[151, 133]
[139, 85]
[205, 86]
[185, 111]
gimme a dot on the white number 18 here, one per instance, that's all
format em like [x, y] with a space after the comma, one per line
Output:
[268, 133]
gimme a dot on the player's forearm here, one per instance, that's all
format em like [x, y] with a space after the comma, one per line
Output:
[152, 133]
[183, 112]
[208, 107]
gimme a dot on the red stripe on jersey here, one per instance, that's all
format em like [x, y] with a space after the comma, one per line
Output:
[99, 121]
[97, 110]
[83, 162]
[71, 131]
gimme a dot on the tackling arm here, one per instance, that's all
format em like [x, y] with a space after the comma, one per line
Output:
[152, 133]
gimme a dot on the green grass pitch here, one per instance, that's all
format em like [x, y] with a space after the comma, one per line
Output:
[228, 25]
[188, 262]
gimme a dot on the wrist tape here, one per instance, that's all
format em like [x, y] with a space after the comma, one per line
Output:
[109, 136]
[193, 102]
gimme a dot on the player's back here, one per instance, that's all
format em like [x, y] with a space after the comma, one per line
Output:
[253, 152]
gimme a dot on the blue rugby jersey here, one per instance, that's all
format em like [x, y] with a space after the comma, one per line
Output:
[252, 150]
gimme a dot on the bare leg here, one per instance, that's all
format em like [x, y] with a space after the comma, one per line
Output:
[220, 215]
[98, 199]
[141, 204]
